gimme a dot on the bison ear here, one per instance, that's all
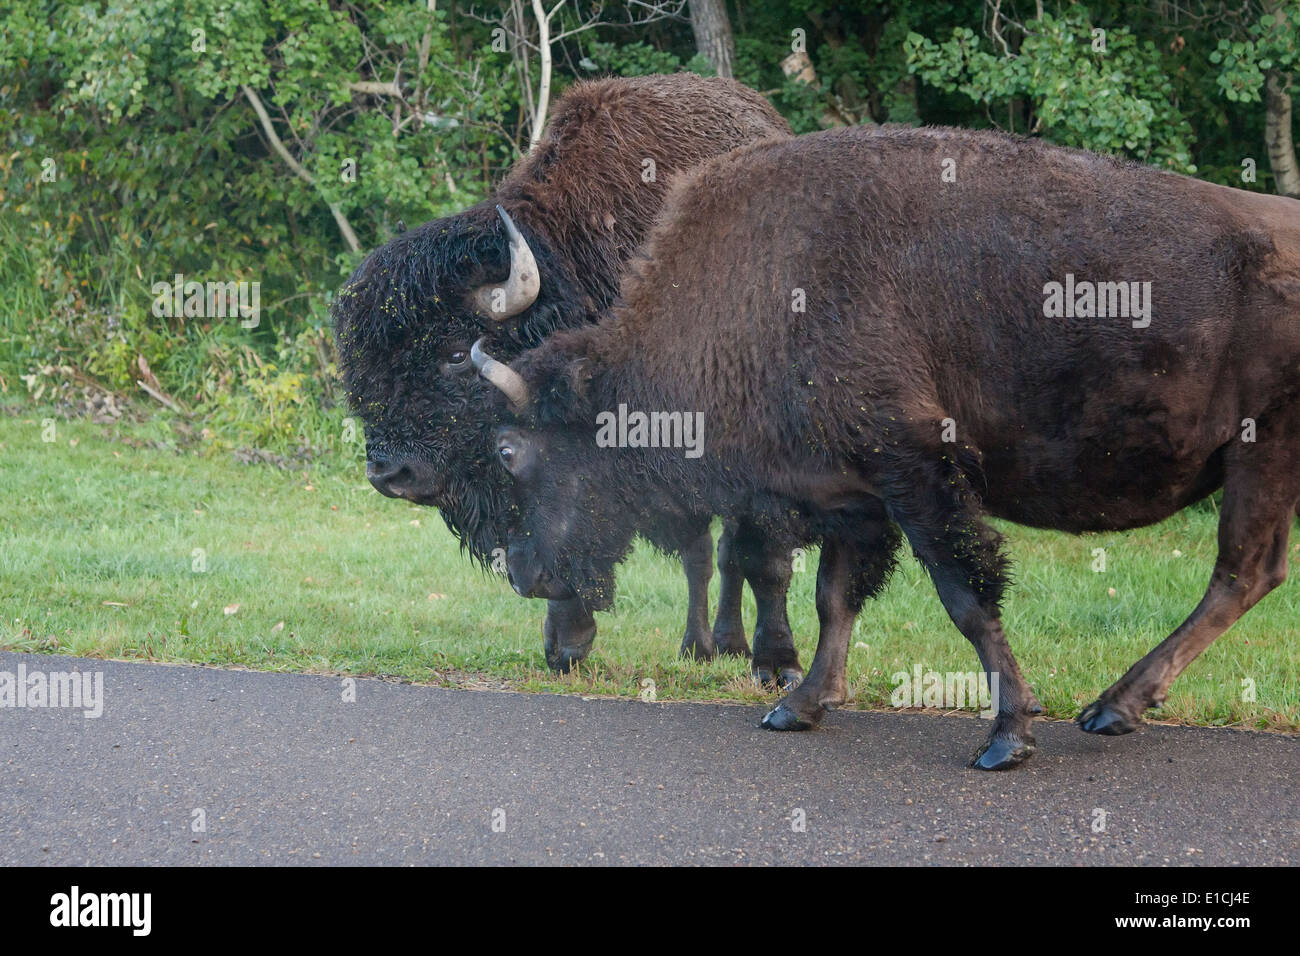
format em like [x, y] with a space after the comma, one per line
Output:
[566, 398]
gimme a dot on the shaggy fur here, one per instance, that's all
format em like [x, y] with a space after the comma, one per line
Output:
[582, 203]
[925, 305]
[584, 200]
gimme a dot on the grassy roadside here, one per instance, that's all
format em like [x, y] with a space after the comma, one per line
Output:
[115, 544]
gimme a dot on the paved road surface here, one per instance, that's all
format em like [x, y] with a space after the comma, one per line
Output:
[286, 772]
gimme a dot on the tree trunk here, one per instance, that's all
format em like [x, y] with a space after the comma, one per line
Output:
[713, 34]
[1277, 134]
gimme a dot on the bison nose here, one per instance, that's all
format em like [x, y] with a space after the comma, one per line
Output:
[384, 475]
[525, 583]
[531, 579]
[403, 476]
[535, 585]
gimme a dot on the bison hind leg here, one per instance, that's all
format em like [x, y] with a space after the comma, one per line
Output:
[747, 554]
[729, 625]
[763, 558]
[1259, 500]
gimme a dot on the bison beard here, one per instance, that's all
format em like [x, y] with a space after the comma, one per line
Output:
[545, 252]
[924, 384]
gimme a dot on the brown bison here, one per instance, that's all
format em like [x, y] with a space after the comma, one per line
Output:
[908, 329]
[546, 252]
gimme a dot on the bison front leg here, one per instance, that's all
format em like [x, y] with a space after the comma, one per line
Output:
[568, 632]
[854, 566]
[937, 511]
[729, 625]
[1260, 490]
[826, 685]
[697, 562]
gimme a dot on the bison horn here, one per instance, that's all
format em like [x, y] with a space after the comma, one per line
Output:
[522, 285]
[500, 375]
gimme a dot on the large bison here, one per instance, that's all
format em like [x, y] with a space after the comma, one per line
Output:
[546, 252]
[990, 324]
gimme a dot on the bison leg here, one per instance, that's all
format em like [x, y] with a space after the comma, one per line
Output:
[838, 603]
[1259, 498]
[766, 565]
[745, 554]
[568, 632]
[729, 626]
[938, 513]
[697, 562]
[1011, 740]
[854, 566]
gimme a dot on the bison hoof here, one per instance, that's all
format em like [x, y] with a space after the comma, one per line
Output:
[700, 649]
[782, 717]
[1003, 752]
[732, 644]
[785, 678]
[564, 660]
[1101, 717]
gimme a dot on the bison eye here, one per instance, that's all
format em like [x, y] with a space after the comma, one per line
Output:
[458, 359]
[507, 455]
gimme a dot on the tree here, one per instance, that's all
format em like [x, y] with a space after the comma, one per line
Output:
[546, 30]
[713, 35]
[1068, 80]
[1277, 133]
[1265, 61]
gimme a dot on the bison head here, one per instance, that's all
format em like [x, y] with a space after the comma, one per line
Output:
[573, 514]
[406, 321]
[569, 528]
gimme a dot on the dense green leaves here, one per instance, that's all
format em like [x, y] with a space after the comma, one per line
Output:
[1085, 86]
[1271, 43]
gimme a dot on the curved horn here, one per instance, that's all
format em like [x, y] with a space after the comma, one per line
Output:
[520, 289]
[502, 376]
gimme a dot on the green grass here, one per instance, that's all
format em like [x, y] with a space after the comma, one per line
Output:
[98, 533]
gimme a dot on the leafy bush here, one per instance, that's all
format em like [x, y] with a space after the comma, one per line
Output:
[1099, 89]
[133, 153]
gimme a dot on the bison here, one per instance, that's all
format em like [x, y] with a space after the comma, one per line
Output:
[876, 345]
[546, 252]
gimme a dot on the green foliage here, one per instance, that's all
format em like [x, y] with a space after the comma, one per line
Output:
[1271, 43]
[1105, 91]
[131, 154]
[641, 59]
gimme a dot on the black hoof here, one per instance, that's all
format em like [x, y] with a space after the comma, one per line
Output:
[785, 678]
[563, 661]
[698, 650]
[733, 645]
[1103, 718]
[782, 717]
[1003, 753]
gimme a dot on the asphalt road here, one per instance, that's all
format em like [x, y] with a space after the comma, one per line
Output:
[282, 770]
